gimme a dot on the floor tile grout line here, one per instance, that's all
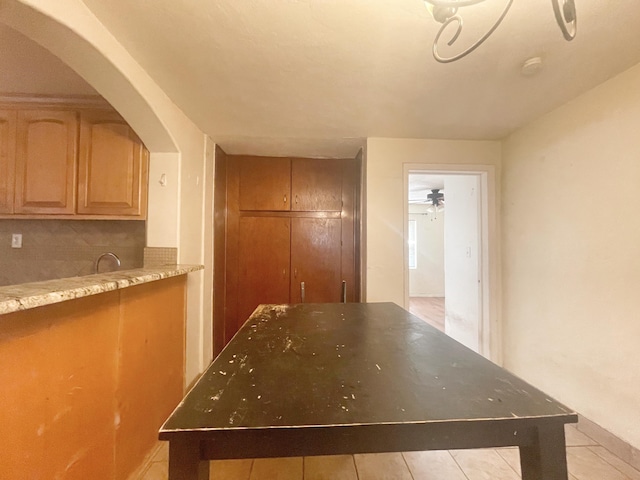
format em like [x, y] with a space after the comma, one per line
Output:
[253, 461]
[355, 467]
[404, 459]
[607, 461]
[505, 461]
[458, 464]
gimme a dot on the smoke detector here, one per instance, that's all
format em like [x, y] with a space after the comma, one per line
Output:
[531, 66]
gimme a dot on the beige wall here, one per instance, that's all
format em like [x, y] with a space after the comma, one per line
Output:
[463, 315]
[427, 279]
[571, 254]
[387, 161]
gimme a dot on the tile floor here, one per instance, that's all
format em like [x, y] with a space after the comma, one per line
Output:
[586, 458]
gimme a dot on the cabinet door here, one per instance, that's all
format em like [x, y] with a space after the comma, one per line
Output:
[316, 184]
[112, 167]
[7, 158]
[263, 263]
[264, 183]
[316, 260]
[46, 162]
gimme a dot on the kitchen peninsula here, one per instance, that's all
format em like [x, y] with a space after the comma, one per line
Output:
[91, 367]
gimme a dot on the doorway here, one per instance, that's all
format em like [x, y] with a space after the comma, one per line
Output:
[446, 261]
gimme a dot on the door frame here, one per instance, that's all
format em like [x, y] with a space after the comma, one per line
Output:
[489, 325]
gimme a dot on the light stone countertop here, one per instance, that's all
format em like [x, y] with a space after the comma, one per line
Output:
[37, 294]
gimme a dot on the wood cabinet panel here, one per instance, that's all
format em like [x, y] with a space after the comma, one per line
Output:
[7, 159]
[265, 183]
[112, 166]
[46, 162]
[263, 263]
[269, 249]
[316, 184]
[315, 260]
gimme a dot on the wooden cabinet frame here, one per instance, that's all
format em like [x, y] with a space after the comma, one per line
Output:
[241, 223]
[107, 186]
[8, 122]
[69, 158]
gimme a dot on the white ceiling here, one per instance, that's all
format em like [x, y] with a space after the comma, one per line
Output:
[319, 76]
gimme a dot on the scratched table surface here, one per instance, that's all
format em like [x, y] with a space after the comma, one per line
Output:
[323, 365]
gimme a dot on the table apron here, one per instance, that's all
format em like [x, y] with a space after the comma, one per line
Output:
[336, 440]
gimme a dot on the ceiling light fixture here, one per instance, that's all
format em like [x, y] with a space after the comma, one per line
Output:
[446, 13]
[436, 200]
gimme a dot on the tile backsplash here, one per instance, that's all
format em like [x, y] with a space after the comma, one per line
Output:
[156, 256]
[66, 248]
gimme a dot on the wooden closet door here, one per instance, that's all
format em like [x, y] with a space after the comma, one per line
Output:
[263, 263]
[316, 184]
[46, 162]
[316, 259]
[7, 159]
[264, 183]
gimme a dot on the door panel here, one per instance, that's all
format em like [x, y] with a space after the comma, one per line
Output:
[46, 162]
[112, 170]
[315, 259]
[265, 183]
[316, 184]
[263, 263]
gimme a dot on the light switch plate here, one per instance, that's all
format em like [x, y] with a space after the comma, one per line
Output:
[16, 240]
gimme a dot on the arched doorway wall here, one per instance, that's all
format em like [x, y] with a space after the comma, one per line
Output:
[82, 42]
[69, 30]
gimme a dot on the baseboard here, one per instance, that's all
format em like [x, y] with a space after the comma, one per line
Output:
[608, 440]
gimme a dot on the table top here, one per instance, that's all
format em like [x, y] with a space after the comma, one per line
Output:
[311, 365]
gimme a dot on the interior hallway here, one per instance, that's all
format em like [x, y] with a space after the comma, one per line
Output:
[586, 458]
[429, 309]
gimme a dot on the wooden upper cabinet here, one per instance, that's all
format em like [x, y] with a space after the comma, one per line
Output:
[112, 166]
[283, 184]
[45, 159]
[7, 159]
[264, 183]
[316, 184]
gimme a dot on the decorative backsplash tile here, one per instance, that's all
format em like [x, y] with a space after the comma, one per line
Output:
[66, 248]
[156, 256]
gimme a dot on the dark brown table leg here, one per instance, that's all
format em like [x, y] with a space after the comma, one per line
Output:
[185, 461]
[546, 459]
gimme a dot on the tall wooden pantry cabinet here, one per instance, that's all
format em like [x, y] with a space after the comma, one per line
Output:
[291, 233]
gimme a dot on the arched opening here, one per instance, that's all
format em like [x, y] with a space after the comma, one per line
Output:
[96, 66]
[175, 218]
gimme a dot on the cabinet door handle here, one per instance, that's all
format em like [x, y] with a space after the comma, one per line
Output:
[295, 273]
[302, 292]
[284, 273]
[285, 198]
[296, 199]
[344, 291]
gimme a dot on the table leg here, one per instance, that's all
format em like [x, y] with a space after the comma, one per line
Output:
[185, 461]
[546, 459]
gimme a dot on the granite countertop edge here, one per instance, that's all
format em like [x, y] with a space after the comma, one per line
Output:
[25, 296]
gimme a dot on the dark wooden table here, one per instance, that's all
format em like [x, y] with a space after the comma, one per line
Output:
[321, 379]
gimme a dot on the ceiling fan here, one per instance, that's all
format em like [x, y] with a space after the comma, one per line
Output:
[435, 200]
[436, 197]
